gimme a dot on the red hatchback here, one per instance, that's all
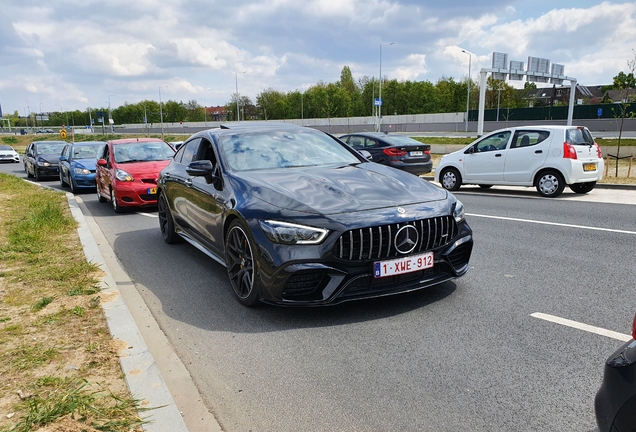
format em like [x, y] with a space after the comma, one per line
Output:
[127, 171]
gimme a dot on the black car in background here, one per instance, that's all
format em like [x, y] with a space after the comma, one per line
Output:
[397, 151]
[42, 158]
[615, 401]
[298, 218]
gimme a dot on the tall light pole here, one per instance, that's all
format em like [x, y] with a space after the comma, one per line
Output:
[161, 109]
[238, 115]
[380, 92]
[29, 113]
[470, 56]
[41, 121]
[62, 110]
[110, 117]
[205, 116]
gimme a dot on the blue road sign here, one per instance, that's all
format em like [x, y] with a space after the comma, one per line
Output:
[378, 102]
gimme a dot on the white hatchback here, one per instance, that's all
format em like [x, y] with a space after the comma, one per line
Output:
[546, 157]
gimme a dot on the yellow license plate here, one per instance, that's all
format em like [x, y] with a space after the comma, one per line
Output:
[589, 167]
[152, 191]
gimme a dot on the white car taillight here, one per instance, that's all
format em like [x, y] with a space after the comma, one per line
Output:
[598, 151]
[569, 152]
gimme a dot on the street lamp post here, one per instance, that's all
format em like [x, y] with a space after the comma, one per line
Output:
[380, 91]
[28, 113]
[470, 56]
[498, 99]
[205, 115]
[62, 110]
[41, 121]
[161, 110]
[110, 117]
[238, 114]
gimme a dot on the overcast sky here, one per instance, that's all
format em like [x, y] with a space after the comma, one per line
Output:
[73, 54]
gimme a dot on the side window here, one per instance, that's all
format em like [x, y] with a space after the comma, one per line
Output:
[65, 152]
[493, 142]
[207, 152]
[189, 151]
[370, 143]
[528, 138]
[356, 142]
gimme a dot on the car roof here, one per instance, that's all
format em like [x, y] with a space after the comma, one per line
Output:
[136, 140]
[49, 142]
[367, 134]
[88, 143]
[255, 125]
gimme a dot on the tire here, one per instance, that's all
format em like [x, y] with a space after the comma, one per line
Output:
[240, 264]
[485, 186]
[71, 185]
[166, 221]
[113, 201]
[62, 182]
[36, 174]
[582, 188]
[100, 198]
[451, 179]
[550, 184]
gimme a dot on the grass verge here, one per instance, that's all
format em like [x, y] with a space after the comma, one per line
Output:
[58, 364]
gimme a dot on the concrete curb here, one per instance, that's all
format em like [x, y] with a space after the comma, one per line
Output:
[598, 185]
[142, 374]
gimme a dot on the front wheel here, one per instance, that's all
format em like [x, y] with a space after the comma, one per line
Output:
[582, 188]
[550, 184]
[62, 182]
[241, 267]
[100, 198]
[451, 179]
[166, 222]
[113, 201]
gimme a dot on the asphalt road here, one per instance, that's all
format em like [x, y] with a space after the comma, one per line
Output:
[465, 355]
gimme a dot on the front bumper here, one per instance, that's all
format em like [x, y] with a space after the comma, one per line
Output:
[615, 402]
[84, 181]
[47, 171]
[324, 279]
[10, 158]
[135, 194]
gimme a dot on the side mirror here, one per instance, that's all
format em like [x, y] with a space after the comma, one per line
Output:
[366, 154]
[470, 150]
[102, 162]
[200, 168]
[63, 158]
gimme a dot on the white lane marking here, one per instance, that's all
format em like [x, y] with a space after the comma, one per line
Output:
[581, 326]
[553, 223]
[148, 214]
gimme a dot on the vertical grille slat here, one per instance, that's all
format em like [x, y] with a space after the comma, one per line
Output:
[375, 243]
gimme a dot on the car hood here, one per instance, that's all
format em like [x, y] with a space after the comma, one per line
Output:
[144, 168]
[53, 158]
[89, 164]
[329, 191]
[8, 152]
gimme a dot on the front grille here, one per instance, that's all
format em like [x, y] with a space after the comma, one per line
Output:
[378, 242]
[148, 197]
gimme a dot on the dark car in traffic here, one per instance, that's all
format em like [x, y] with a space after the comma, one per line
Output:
[299, 218]
[397, 151]
[615, 402]
[42, 158]
[77, 164]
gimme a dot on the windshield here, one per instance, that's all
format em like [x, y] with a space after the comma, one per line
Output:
[142, 152]
[50, 148]
[4, 147]
[283, 149]
[85, 152]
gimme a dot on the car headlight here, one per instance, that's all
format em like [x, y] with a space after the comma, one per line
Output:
[458, 212]
[289, 233]
[42, 162]
[77, 170]
[122, 175]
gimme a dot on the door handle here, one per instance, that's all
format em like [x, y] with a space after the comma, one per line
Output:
[188, 182]
[220, 199]
[498, 155]
[167, 175]
[538, 151]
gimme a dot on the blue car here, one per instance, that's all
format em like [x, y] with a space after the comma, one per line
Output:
[77, 165]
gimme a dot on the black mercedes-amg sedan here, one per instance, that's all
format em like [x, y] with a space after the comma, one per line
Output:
[298, 218]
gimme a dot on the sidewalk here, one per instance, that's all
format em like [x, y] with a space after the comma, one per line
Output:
[153, 371]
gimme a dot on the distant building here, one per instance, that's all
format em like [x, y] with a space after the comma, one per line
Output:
[560, 95]
[217, 113]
